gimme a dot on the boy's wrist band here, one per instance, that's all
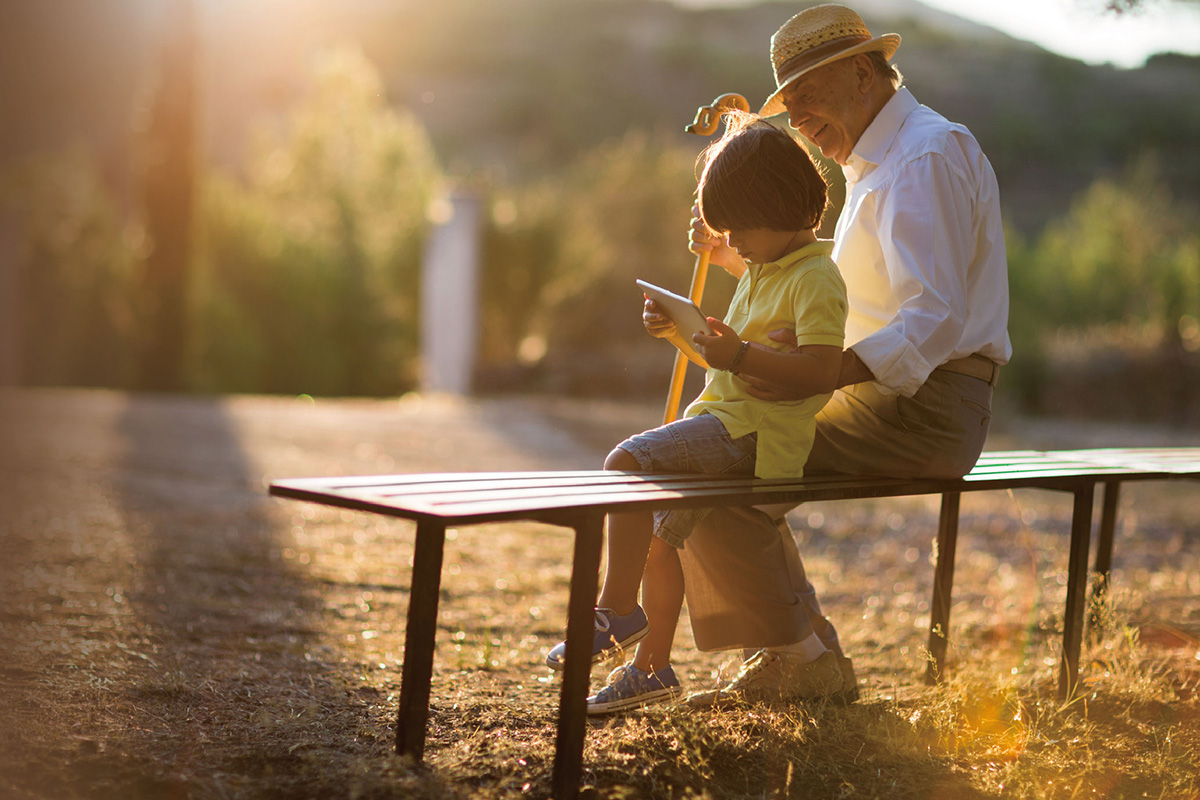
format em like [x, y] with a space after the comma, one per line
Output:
[737, 357]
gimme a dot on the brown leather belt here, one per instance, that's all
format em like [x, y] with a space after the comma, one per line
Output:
[974, 366]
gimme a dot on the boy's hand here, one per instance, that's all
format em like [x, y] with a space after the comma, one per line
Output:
[720, 253]
[658, 324]
[720, 348]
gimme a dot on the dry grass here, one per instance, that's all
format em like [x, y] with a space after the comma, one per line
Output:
[168, 631]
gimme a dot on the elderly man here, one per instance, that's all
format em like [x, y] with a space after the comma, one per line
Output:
[920, 245]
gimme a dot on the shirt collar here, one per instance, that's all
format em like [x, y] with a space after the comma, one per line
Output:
[875, 141]
[817, 248]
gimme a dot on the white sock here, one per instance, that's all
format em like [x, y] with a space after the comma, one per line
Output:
[808, 649]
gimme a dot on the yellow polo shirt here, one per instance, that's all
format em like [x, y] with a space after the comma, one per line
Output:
[803, 291]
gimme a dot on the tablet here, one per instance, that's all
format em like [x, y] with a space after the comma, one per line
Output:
[686, 315]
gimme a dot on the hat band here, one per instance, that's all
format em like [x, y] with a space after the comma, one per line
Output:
[814, 55]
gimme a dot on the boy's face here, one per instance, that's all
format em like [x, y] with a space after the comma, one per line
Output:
[760, 245]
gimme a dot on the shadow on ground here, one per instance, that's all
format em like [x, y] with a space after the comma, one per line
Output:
[190, 657]
[167, 630]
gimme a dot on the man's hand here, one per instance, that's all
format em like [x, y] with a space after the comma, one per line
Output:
[854, 370]
[764, 390]
[784, 336]
[720, 253]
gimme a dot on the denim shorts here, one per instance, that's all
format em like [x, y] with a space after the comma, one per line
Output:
[696, 444]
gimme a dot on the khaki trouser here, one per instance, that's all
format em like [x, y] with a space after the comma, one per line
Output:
[745, 581]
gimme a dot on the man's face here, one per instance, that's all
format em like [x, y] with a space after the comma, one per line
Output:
[826, 106]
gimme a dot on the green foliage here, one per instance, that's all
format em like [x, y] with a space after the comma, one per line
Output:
[307, 271]
[626, 213]
[1123, 263]
[79, 300]
[1125, 252]
[310, 265]
[567, 251]
[521, 252]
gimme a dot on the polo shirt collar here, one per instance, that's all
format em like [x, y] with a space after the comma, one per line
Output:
[875, 141]
[818, 248]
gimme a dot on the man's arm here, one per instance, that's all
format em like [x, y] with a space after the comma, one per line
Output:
[924, 224]
[853, 370]
[801, 371]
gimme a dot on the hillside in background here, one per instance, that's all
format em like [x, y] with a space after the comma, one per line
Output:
[327, 128]
[523, 87]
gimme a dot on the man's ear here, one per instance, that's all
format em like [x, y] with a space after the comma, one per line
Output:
[864, 72]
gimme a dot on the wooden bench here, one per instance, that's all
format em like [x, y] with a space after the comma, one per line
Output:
[580, 501]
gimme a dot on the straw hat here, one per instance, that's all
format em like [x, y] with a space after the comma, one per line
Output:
[816, 37]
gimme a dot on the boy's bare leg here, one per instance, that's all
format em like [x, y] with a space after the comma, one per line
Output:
[662, 600]
[629, 538]
[628, 543]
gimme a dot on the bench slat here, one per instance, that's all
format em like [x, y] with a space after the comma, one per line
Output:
[478, 497]
[1182, 461]
[988, 462]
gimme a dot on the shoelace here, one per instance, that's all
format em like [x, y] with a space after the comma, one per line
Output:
[602, 623]
[617, 674]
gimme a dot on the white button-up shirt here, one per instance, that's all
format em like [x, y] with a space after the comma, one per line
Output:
[921, 247]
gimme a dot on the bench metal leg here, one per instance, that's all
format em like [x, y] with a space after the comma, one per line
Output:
[1103, 564]
[1077, 572]
[943, 584]
[419, 639]
[577, 667]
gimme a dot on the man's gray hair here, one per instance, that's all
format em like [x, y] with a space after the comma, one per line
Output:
[886, 68]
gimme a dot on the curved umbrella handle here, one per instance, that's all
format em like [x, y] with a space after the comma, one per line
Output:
[708, 118]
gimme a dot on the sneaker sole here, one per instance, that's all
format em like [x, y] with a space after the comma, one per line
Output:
[604, 655]
[645, 699]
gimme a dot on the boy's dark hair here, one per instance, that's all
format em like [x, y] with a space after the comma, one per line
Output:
[757, 176]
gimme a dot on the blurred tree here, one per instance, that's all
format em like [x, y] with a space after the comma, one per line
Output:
[522, 243]
[311, 263]
[566, 250]
[1112, 291]
[78, 289]
[168, 190]
[623, 213]
[1119, 255]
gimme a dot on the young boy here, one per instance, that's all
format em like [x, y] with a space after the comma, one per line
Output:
[761, 189]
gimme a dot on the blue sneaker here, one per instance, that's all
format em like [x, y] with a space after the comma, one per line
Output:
[629, 687]
[613, 633]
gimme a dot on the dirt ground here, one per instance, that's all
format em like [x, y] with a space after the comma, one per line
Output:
[168, 630]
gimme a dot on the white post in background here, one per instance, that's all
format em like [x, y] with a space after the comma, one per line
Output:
[450, 294]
